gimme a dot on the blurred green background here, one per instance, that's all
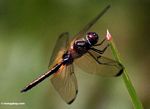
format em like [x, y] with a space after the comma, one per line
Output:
[29, 29]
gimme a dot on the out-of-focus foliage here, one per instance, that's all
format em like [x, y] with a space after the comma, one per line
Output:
[29, 29]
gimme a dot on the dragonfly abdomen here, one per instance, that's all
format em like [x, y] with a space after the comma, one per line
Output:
[42, 77]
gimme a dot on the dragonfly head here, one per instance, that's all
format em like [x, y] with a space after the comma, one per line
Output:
[92, 38]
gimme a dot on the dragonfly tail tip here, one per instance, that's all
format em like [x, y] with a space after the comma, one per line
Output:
[23, 90]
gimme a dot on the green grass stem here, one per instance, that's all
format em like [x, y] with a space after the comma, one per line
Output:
[135, 99]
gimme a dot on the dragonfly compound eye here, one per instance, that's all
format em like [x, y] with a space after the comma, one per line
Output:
[92, 38]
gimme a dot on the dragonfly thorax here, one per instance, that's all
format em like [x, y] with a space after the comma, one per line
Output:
[81, 46]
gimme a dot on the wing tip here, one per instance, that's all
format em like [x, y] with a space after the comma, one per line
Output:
[70, 102]
[120, 72]
[64, 33]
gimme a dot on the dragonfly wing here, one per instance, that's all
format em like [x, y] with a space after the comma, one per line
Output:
[65, 83]
[90, 24]
[60, 48]
[100, 65]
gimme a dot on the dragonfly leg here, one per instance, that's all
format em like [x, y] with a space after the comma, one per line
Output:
[104, 49]
[100, 42]
[97, 59]
[100, 51]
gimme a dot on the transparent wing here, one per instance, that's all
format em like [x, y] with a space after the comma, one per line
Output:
[90, 24]
[60, 48]
[94, 63]
[66, 84]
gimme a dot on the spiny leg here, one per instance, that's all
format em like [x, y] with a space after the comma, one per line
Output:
[100, 42]
[100, 51]
[96, 58]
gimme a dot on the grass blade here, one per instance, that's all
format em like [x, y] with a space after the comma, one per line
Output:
[135, 99]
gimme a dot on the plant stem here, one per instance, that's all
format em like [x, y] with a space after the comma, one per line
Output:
[135, 99]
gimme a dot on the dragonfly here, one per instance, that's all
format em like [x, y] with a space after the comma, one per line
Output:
[78, 50]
